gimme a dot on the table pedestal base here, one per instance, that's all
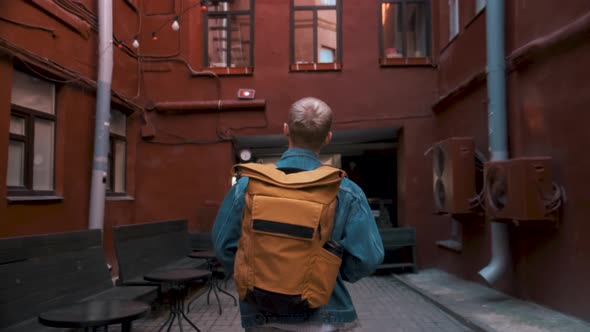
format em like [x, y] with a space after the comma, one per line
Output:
[177, 311]
[213, 285]
[125, 327]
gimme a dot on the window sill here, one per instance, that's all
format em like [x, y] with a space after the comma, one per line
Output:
[230, 71]
[119, 198]
[33, 199]
[315, 67]
[451, 245]
[397, 62]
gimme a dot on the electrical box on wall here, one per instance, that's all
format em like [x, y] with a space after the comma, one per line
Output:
[454, 175]
[246, 93]
[521, 189]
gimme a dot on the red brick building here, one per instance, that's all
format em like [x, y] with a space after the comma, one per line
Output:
[400, 76]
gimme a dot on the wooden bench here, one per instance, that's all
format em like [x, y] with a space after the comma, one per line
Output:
[396, 239]
[43, 272]
[149, 247]
[200, 241]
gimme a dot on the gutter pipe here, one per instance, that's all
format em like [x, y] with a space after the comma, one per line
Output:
[497, 129]
[207, 106]
[103, 107]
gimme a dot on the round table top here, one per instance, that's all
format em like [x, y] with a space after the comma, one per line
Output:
[179, 275]
[205, 254]
[94, 313]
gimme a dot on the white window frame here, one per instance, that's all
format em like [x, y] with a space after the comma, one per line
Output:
[388, 52]
[221, 34]
[314, 10]
[117, 173]
[453, 18]
[480, 5]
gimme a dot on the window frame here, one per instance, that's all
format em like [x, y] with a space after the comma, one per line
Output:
[113, 138]
[228, 15]
[454, 11]
[315, 65]
[406, 60]
[30, 115]
[479, 3]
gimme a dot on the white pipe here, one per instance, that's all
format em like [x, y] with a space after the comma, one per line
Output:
[497, 128]
[103, 109]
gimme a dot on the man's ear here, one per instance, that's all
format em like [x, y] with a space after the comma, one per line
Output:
[285, 129]
[328, 138]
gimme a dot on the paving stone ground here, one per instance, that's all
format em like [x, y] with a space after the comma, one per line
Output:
[383, 303]
[486, 309]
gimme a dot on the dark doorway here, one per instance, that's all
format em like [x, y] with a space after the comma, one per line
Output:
[372, 151]
[375, 171]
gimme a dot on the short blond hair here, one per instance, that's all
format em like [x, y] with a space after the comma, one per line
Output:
[310, 121]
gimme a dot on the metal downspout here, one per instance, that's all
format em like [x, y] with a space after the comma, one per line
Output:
[103, 106]
[497, 129]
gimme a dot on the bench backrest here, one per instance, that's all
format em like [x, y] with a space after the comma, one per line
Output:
[398, 237]
[200, 241]
[142, 248]
[41, 272]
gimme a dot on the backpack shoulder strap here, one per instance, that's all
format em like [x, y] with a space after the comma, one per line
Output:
[322, 175]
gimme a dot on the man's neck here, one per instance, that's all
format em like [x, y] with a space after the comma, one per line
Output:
[292, 146]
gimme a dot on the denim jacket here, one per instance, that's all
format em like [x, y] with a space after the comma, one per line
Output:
[354, 228]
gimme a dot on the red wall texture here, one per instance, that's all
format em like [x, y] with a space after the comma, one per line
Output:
[546, 117]
[61, 48]
[188, 181]
[183, 172]
[363, 94]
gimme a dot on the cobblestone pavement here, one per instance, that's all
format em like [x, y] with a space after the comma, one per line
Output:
[382, 303]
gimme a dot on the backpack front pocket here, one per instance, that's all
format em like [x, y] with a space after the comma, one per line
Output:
[283, 233]
[322, 278]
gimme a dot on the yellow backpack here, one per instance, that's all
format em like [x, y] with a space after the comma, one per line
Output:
[285, 262]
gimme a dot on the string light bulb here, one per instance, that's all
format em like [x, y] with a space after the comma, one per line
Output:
[154, 36]
[175, 24]
[135, 43]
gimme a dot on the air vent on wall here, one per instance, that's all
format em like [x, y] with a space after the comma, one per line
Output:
[454, 175]
[521, 189]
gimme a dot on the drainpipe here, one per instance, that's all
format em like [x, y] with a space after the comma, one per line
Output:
[103, 107]
[497, 129]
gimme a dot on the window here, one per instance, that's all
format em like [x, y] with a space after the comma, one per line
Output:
[31, 146]
[117, 153]
[315, 34]
[327, 54]
[404, 29]
[229, 34]
[480, 5]
[453, 18]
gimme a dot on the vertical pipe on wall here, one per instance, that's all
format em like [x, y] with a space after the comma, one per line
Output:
[497, 128]
[103, 106]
